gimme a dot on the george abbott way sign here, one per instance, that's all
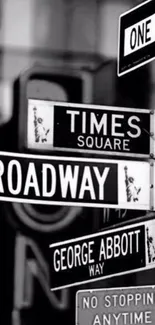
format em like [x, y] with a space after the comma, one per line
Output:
[102, 255]
[87, 128]
[136, 43]
[75, 181]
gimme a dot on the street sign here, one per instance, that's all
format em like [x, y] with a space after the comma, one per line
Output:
[136, 45]
[75, 181]
[85, 128]
[103, 255]
[116, 306]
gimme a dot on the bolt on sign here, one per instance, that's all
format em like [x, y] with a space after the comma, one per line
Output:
[103, 255]
[74, 181]
[136, 43]
[88, 128]
[116, 306]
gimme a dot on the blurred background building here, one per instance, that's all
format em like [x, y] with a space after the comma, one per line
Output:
[79, 34]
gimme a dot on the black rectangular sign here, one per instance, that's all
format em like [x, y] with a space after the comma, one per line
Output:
[88, 128]
[58, 180]
[74, 181]
[102, 255]
[136, 45]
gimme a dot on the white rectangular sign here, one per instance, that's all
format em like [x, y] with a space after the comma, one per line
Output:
[116, 306]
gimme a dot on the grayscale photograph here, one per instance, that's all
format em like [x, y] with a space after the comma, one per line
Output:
[77, 162]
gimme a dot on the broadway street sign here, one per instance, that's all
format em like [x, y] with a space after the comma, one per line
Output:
[75, 181]
[136, 37]
[116, 306]
[87, 128]
[103, 255]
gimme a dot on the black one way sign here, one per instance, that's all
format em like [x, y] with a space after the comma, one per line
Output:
[136, 37]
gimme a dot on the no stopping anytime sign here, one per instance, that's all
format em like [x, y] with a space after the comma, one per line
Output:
[132, 305]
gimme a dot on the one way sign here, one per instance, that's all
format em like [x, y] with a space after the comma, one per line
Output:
[136, 45]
